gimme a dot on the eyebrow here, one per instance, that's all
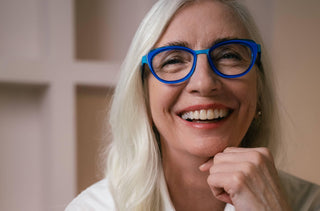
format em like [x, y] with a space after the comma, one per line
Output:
[219, 40]
[186, 44]
[176, 43]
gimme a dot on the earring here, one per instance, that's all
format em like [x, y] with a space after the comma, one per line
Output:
[258, 115]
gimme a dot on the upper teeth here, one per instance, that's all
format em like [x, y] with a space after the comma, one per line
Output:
[203, 114]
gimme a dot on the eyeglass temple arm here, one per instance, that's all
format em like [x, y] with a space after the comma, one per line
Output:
[258, 59]
[144, 61]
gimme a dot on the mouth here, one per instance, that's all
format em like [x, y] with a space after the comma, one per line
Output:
[206, 115]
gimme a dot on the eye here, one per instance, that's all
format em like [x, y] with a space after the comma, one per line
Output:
[231, 59]
[172, 61]
[226, 55]
[231, 55]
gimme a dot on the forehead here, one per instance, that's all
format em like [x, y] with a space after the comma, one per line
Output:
[199, 24]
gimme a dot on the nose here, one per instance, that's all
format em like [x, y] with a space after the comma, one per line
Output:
[204, 81]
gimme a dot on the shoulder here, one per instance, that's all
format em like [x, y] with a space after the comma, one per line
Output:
[95, 197]
[302, 195]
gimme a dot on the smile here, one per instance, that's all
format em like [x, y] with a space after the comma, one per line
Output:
[206, 114]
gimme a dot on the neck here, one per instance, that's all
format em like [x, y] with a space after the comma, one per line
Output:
[187, 185]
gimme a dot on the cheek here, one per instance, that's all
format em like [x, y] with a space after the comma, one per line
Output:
[156, 93]
[161, 98]
[247, 91]
[248, 97]
[249, 104]
[252, 91]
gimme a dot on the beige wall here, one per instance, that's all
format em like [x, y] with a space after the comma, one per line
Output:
[44, 88]
[296, 57]
[291, 31]
[21, 136]
[92, 133]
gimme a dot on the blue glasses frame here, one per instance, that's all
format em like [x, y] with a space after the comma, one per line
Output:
[255, 54]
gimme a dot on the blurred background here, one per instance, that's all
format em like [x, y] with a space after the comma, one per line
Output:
[59, 61]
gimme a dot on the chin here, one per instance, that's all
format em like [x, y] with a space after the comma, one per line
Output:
[207, 149]
[210, 146]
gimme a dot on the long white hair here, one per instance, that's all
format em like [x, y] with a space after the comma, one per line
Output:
[134, 164]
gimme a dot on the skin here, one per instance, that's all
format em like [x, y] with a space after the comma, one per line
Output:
[204, 168]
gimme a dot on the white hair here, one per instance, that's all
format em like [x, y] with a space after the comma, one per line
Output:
[134, 165]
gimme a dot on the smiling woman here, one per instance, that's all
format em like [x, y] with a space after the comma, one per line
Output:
[197, 130]
[204, 90]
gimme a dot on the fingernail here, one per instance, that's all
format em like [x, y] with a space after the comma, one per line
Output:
[204, 167]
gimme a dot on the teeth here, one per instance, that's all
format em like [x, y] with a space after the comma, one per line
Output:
[210, 114]
[203, 114]
[216, 113]
[196, 114]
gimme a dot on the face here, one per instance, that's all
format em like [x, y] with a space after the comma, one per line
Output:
[205, 94]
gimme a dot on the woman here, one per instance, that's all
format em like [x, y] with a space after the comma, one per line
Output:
[191, 123]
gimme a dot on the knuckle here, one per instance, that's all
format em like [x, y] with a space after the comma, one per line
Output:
[217, 158]
[216, 191]
[268, 155]
[249, 168]
[266, 152]
[257, 158]
[239, 180]
[210, 180]
[212, 170]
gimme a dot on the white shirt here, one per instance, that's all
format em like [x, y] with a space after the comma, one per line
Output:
[302, 196]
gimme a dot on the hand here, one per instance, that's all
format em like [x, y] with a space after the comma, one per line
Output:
[246, 178]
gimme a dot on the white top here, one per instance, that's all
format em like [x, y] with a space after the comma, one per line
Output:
[302, 196]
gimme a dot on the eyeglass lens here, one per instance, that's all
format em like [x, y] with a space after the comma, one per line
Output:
[228, 59]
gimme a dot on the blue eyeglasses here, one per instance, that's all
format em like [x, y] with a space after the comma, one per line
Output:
[228, 59]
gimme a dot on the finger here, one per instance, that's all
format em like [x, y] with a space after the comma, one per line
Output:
[225, 185]
[254, 163]
[221, 195]
[217, 188]
[263, 150]
[207, 165]
[246, 167]
[244, 155]
[230, 155]
[231, 187]
[254, 178]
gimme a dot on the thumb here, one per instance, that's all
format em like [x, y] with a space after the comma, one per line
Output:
[207, 165]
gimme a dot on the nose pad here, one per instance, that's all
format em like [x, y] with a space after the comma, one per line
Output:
[204, 80]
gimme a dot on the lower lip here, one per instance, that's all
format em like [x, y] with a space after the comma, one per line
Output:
[206, 125]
